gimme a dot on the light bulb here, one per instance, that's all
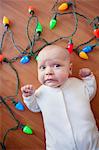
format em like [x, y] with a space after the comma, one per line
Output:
[1, 57]
[96, 32]
[19, 106]
[39, 28]
[37, 58]
[26, 129]
[30, 10]
[83, 55]
[88, 49]
[6, 21]
[24, 60]
[63, 6]
[70, 46]
[53, 22]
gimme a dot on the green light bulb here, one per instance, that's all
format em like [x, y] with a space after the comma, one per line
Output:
[27, 130]
[53, 23]
[39, 28]
[37, 58]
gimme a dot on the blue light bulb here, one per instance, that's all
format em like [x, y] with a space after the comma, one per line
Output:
[19, 106]
[87, 49]
[24, 60]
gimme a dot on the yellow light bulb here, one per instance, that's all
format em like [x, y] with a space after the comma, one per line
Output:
[5, 21]
[63, 6]
[83, 55]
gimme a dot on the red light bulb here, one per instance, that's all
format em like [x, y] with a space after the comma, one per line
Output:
[30, 10]
[96, 32]
[1, 58]
[70, 46]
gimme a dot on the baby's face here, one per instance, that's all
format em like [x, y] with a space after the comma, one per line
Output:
[53, 67]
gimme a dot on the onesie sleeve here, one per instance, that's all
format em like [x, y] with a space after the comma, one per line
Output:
[31, 103]
[90, 85]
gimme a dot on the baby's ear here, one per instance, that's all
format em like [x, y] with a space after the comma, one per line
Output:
[70, 69]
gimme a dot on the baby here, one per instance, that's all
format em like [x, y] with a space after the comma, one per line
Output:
[64, 102]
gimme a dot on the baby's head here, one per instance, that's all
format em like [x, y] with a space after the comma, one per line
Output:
[54, 66]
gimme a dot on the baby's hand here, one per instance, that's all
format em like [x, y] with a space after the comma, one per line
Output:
[84, 72]
[27, 90]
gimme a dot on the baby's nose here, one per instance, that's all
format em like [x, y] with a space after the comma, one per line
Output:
[49, 71]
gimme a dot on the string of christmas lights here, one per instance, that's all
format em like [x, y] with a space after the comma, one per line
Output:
[24, 55]
[26, 129]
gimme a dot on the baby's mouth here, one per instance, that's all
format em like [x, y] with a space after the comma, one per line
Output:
[49, 80]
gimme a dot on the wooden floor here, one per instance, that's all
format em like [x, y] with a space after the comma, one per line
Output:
[17, 12]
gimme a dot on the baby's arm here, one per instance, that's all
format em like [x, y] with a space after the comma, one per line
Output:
[29, 98]
[89, 80]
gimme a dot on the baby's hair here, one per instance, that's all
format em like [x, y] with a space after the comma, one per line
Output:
[55, 48]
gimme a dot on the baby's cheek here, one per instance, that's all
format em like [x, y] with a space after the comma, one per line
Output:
[66, 75]
[63, 76]
[41, 78]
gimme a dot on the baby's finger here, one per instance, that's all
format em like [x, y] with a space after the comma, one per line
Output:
[23, 88]
[29, 87]
[27, 94]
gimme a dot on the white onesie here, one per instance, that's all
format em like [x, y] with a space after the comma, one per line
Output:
[68, 120]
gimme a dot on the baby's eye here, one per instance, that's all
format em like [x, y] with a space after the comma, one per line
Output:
[57, 65]
[42, 67]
